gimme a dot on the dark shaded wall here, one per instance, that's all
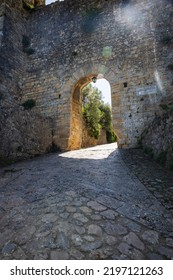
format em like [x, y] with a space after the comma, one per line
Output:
[22, 132]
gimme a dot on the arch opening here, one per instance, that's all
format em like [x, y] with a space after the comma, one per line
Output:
[78, 133]
[104, 86]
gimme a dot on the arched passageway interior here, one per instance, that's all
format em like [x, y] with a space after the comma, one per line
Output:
[76, 123]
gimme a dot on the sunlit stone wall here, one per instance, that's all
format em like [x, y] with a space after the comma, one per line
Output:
[128, 42]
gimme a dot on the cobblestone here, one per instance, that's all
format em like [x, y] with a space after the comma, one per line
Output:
[113, 214]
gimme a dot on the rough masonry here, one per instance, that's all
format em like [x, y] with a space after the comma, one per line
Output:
[50, 53]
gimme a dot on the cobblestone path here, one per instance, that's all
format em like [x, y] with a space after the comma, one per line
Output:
[86, 204]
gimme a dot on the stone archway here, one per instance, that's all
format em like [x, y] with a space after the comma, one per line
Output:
[75, 137]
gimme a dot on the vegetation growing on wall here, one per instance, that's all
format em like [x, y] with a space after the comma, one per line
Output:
[26, 45]
[167, 107]
[97, 115]
[29, 104]
[27, 5]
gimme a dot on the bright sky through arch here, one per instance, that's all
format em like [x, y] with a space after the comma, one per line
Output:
[51, 1]
[104, 86]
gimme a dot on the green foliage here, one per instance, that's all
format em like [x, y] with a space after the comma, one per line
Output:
[27, 5]
[166, 107]
[111, 136]
[106, 119]
[91, 111]
[29, 104]
[106, 122]
[26, 45]
[97, 115]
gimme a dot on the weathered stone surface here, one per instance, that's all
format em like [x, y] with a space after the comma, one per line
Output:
[64, 215]
[70, 209]
[124, 248]
[96, 217]
[49, 218]
[109, 214]
[41, 255]
[136, 255]
[25, 234]
[77, 254]
[95, 230]
[114, 229]
[34, 246]
[19, 254]
[80, 217]
[111, 240]
[134, 240]
[80, 230]
[96, 206]
[9, 248]
[101, 254]
[166, 252]
[86, 210]
[71, 193]
[59, 255]
[151, 236]
[76, 239]
[87, 247]
[110, 202]
[62, 241]
[157, 139]
[169, 242]
[154, 256]
[133, 226]
[126, 237]
[89, 238]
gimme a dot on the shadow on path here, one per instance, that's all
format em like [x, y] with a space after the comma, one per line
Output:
[77, 205]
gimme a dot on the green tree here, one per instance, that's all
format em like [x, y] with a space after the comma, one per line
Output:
[97, 115]
[106, 118]
[91, 111]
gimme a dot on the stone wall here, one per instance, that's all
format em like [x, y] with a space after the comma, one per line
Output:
[76, 40]
[157, 140]
[23, 133]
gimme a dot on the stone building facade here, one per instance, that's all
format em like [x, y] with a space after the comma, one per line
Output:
[50, 53]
